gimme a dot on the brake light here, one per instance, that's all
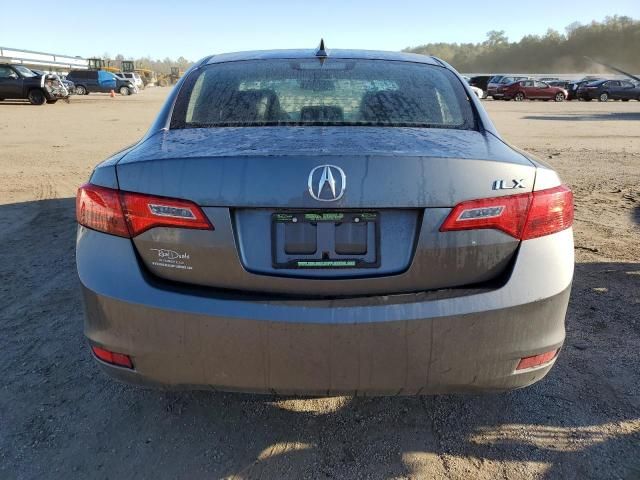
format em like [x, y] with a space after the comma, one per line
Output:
[551, 211]
[99, 208]
[523, 216]
[128, 214]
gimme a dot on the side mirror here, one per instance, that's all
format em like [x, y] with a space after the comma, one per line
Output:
[13, 75]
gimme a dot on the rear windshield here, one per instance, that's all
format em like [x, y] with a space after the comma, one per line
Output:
[333, 92]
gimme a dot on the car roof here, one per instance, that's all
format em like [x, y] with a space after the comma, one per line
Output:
[331, 53]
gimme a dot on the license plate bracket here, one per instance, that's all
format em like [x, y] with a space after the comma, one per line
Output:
[325, 240]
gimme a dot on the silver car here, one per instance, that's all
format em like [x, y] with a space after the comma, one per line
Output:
[325, 222]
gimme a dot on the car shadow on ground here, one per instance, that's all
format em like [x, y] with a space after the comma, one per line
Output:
[62, 416]
[588, 117]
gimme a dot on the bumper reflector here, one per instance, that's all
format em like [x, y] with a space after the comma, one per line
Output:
[536, 360]
[119, 359]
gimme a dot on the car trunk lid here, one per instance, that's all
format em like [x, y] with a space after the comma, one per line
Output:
[244, 178]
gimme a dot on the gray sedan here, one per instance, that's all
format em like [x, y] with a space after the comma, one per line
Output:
[325, 222]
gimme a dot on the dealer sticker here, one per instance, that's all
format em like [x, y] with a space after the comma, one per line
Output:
[171, 259]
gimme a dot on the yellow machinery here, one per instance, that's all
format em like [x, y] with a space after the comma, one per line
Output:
[100, 64]
[149, 77]
[164, 80]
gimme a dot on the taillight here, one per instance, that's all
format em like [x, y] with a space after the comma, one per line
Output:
[523, 216]
[144, 212]
[99, 208]
[128, 214]
[551, 211]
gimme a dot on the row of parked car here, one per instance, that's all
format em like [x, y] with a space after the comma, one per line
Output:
[518, 88]
[20, 82]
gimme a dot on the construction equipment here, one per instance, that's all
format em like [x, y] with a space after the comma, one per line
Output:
[127, 66]
[96, 63]
[101, 64]
[149, 77]
[164, 79]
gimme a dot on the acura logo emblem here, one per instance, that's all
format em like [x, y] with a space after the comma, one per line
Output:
[327, 183]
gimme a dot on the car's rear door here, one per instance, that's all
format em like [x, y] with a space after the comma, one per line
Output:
[627, 91]
[93, 84]
[613, 89]
[11, 84]
[538, 90]
[78, 77]
[527, 88]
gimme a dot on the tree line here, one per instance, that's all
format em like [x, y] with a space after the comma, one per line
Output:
[615, 41]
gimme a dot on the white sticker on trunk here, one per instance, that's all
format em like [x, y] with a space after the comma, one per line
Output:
[171, 259]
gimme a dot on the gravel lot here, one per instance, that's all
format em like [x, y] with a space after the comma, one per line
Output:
[60, 417]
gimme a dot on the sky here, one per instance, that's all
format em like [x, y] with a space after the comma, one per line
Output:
[194, 29]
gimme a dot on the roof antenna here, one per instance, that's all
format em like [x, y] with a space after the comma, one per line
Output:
[321, 51]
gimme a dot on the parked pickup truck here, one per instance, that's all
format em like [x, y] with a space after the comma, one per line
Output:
[19, 82]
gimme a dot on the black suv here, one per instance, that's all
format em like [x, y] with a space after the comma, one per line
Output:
[18, 82]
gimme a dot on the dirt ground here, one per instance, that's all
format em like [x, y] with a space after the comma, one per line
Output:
[60, 417]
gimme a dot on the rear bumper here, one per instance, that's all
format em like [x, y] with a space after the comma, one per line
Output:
[375, 345]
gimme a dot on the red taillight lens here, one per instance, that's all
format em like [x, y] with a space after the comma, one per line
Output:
[536, 360]
[551, 211]
[144, 212]
[129, 214]
[523, 216]
[507, 214]
[119, 359]
[99, 208]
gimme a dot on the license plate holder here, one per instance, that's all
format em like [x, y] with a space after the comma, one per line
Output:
[325, 239]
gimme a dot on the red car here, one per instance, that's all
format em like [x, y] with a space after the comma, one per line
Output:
[533, 90]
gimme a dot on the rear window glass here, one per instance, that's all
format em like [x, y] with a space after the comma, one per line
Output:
[333, 92]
